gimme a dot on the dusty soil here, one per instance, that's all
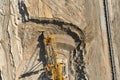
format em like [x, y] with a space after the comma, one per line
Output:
[80, 21]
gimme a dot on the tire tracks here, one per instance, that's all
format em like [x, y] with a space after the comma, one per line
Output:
[112, 60]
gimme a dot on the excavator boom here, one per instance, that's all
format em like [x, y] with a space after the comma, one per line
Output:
[53, 66]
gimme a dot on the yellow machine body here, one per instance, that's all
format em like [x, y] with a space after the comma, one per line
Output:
[55, 67]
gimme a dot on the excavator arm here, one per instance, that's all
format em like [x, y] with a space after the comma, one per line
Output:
[53, 65]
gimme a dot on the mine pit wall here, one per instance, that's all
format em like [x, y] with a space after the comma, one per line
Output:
[10, 44]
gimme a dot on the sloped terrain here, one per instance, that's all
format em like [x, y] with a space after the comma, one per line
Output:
[79, 29]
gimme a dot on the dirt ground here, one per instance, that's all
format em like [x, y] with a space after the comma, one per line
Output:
[78, 20]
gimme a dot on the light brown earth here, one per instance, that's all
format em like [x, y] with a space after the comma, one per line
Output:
[71, 22]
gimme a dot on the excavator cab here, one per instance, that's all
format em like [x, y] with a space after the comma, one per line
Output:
[48, 40]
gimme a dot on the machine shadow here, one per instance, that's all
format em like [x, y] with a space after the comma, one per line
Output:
[42, 51]
[42, 58]
[44, 76]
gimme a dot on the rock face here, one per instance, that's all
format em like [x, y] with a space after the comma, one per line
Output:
[79, 27]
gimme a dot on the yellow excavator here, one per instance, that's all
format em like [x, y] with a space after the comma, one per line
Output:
[52, 66]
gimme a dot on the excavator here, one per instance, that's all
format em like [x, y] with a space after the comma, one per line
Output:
[52, 65]
[55, 69]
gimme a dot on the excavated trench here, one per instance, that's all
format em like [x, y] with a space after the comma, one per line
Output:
[68, 38]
